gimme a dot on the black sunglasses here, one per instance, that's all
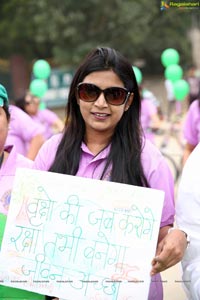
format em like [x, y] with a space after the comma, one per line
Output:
[114, 95]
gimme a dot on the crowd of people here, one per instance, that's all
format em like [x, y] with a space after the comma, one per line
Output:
[105, 136]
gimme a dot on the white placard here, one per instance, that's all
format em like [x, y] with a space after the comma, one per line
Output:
[79, 238]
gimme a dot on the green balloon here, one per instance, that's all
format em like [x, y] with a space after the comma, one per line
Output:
[41, 69]
[169, 57]
[38, 87]
[42, 105]
[181, 89]
[173, 72]
[138, 74]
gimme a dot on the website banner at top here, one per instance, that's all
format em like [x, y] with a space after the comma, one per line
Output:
[182, 4]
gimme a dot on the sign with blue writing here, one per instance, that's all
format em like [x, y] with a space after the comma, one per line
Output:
[80, 238]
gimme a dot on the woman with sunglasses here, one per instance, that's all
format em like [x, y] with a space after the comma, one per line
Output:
[47, 119]
[103, 140]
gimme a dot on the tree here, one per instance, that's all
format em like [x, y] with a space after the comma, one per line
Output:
[65, 30]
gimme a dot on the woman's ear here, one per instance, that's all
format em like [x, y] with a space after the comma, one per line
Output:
[129, 102]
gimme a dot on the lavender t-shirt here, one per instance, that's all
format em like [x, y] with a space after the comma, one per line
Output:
[156, 171]
[148, 109]
[191, 128]
[21, 130]
[46, 118]
[91, 166]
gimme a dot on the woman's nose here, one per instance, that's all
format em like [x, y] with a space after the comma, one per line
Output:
[101, 101]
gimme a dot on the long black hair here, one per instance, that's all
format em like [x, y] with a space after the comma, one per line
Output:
[126, 143]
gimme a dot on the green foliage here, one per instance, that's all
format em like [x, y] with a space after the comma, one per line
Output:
[65, 30]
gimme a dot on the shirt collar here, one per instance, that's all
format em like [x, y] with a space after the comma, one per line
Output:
[101, 155]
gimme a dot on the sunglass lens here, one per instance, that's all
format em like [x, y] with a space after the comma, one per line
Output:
[88, 92]
[115, 96]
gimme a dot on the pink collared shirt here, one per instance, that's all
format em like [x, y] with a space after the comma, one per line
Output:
[148, 109]
[91, 166]
[21, 129]
[191, 128]
[46, 118]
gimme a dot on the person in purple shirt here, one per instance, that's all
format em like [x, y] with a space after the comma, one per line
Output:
[48, 119]
[103, 140]
[10, 160]
[24, 133]
[191, 128]
[149, 117]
